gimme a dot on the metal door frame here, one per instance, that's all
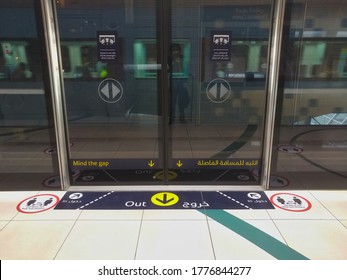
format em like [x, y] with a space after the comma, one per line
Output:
[52, 42]
[56, 80]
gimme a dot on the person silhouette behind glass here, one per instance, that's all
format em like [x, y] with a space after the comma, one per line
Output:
[180, 95]
[19, 72]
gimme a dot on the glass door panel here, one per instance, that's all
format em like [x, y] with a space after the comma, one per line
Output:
[109, 55]
[220, 49]
[27, 141]
[310, 144]
[165, 92]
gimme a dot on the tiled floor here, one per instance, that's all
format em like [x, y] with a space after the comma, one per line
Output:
[318, 233]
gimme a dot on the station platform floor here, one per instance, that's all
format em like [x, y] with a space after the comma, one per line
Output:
[314, 229]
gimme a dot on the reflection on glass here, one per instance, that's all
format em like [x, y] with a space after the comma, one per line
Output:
[220, 139]
[27, 142]
[145, 58]
[112, 110]
[311, 122]
[19, 60]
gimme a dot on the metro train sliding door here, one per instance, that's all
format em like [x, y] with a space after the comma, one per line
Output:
[165, 92]
[110, 62]
[223, 45]
[310, 143]
[28, 158]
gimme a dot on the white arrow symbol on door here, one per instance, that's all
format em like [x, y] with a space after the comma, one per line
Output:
[218, 90]
[110, 90]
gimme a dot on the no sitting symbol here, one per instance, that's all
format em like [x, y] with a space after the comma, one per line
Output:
[290, 202]
[38, 203]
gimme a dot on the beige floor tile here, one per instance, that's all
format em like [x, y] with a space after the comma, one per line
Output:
[334, 201]
[143, 145]
[179, 131]
[169, 240]
[106, 240]
[94, 155]
[48, 215]
[204, 131]
[344, 222]
[319, 233]
[145, 154]
[250, 214]
[173, 214]
[315, 239]
[231, 246]
[207, 146]
[9, 202]
[112, 215]
[267, 227]
[182, 155]
[36, 240]
[3, 224]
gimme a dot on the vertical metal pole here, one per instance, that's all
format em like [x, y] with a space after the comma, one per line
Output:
[273, 75]
[164, 79]
[56, 82]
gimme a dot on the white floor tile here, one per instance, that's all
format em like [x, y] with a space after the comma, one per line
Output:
[315, 239]
[104, 240]
[169, 240]
[334, 201]
[267, 227]
[111, 215]
[230, 245]
[173, 215]
[9, 202]
[50, 214]
[250, 214]
[36, 240]
[344, 222]
[319, 233]
[3, 224]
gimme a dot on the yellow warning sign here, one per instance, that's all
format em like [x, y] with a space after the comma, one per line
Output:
[164, 199]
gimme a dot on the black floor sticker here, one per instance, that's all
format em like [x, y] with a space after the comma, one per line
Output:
[97, 177]
[164, 200]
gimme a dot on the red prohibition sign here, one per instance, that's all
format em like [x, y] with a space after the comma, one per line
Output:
[290, 202]
[34, 205]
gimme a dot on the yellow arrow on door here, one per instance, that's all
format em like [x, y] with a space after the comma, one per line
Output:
[151, 163]
[179, 163]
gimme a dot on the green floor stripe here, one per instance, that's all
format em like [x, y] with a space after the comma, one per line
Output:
[238, 144]
[264, 241]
